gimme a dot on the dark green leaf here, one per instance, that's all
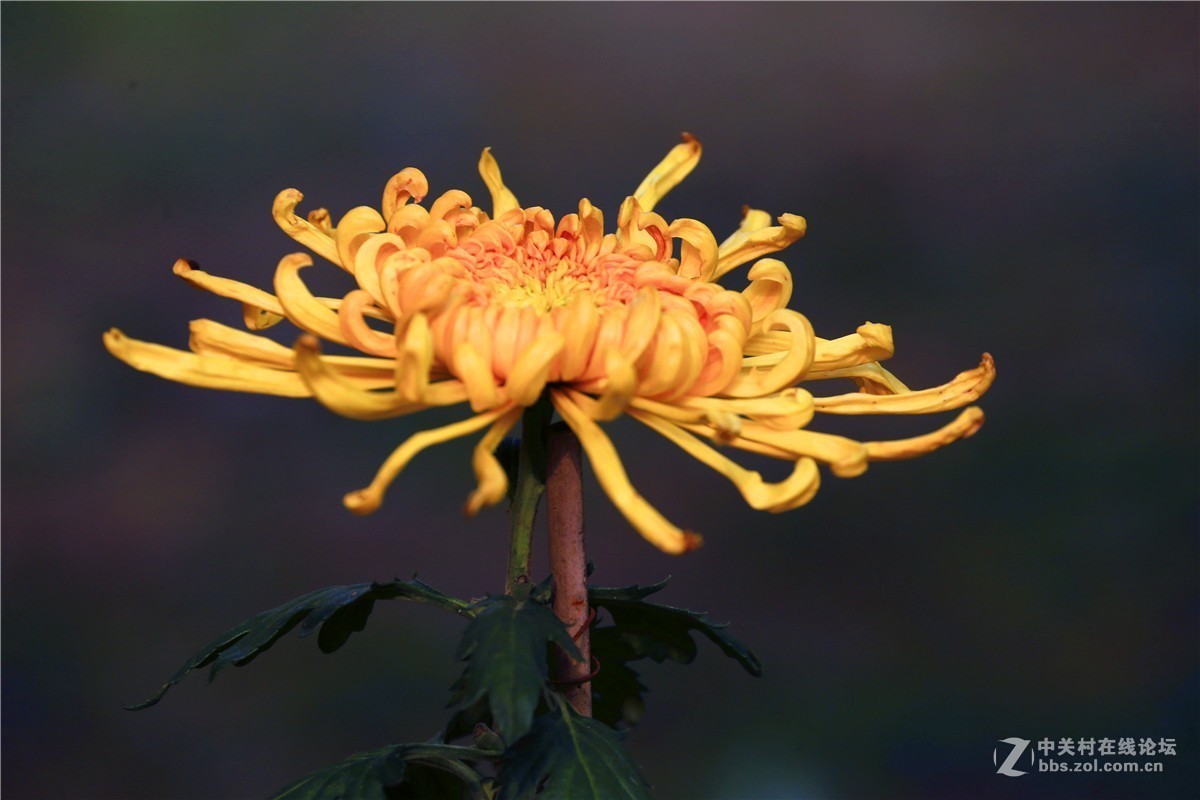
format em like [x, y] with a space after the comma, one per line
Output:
[393, 772]
[437, 779]
[616, 690]
[359, 777]
[338, 611]
[505, 650]
[568, 757]
[660, 632]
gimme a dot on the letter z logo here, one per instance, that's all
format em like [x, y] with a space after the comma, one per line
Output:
[1018, 748]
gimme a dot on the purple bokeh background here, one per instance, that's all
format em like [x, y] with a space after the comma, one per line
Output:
[1020, 179]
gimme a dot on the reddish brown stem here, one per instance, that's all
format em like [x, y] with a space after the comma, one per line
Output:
[568, 562]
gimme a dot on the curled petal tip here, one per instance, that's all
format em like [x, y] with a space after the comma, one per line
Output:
[692, 540]
[113, 337]
[182, 266]
[973, 419]
[794, 223]
[308, 342]
[361, 502]
[689, 138]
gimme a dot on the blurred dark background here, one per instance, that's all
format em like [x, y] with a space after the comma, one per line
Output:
[1020, 179]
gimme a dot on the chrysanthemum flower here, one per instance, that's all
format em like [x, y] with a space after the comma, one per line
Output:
[456, 306]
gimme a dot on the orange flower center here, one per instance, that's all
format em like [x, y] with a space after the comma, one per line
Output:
[542, 269]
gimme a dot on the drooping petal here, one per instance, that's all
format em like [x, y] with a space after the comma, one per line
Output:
[966, 387]
[414, 357]
[580, 322]
[344, 397]
[368, 499]
[622, 383]
[846, 458]
[964, 425]
[476, 373]
[490, 477]
[207, 370]
[669, 172]
[790, 493]
[786, 411]
[306, 233]
[502, 198]
[760, 243]
[644, 517]
[869, 378]
[209, 336]
[261, 309]
[532, 367]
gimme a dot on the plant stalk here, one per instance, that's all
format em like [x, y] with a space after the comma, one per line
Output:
[531, 482]
[568, 562]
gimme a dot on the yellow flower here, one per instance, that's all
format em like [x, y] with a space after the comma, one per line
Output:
[455, 306]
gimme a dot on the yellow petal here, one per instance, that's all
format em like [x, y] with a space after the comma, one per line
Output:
[301, 307]
[791, 366]
[630, 233]
[414, 357]
[722, 367]
[368, 499]
[579, 324]
[963, 426]
[670, 171]
[354, 229]
[408, 183]
[208, 336]
[303, 231]
[447, 203]
[870, 378]
[342, 396]
[966, 387]
[258, 319]
[371, 254]
[760, 243]
[490, 476]
[619, 390]
[207, 370]
[234, 290]
[645, 314]
[753, 219]
[770, 289]
[788, 410]
[871, 342]
[698, 253]
[213, 337]
[502, 199]
[528, 376]
[612, 478]
[846, 457]
[360, 335]
[790, 493]
[476, 373]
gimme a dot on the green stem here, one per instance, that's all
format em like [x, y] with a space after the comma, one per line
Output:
[531, 483]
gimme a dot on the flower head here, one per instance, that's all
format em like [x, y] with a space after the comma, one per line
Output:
[456, 306]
